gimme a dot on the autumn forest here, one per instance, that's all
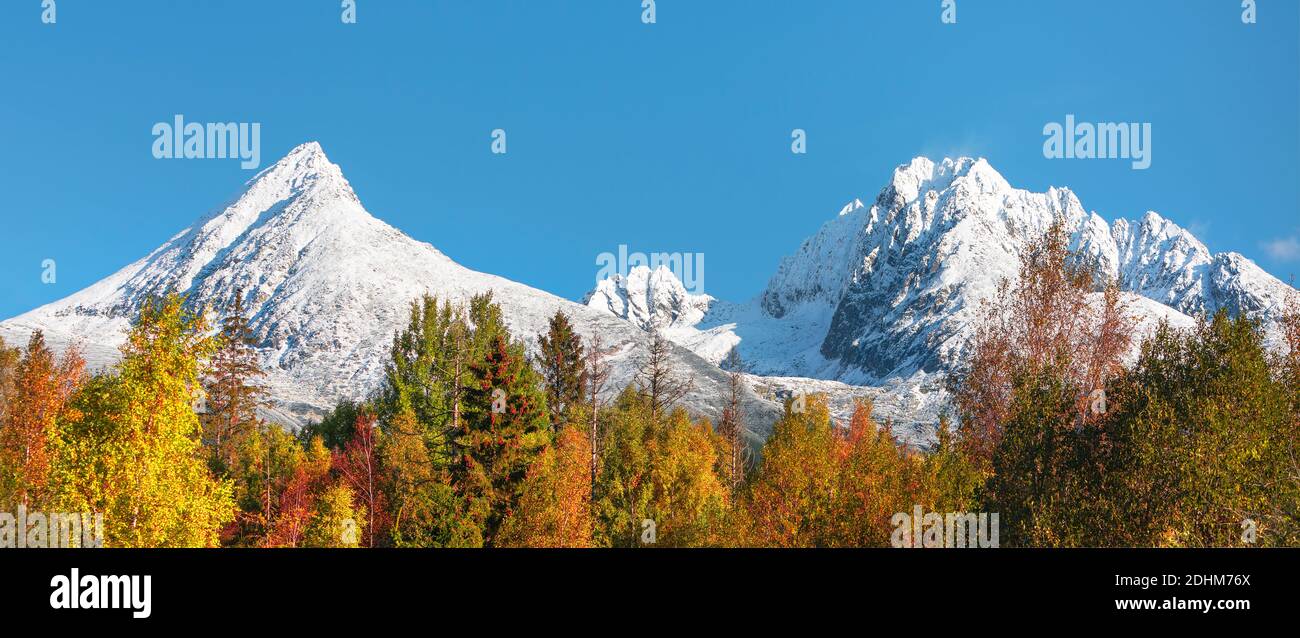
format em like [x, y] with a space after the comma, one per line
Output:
[471, 442]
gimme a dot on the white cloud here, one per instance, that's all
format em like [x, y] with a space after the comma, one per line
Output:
[1283, 249]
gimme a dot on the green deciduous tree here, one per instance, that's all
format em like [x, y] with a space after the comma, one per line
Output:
[1203, 439]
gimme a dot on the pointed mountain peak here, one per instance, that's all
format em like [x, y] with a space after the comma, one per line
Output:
[312, 148]
[639, 278]
[921, 175]
[310, 154]
[1160, 229]
[852, 206]
[283, 209]
[303, 167]
[980, 169]
[660, 273]
[1154, 221]
[308, 157]
[648, 297]
[943, 172]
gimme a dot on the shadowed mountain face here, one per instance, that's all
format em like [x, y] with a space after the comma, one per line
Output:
[889, 291]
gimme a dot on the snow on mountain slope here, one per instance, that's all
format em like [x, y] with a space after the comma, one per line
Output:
[649, 299]
[1161, 261]
[880, 296]
[888, 292]
[657, 300]
[327, 286]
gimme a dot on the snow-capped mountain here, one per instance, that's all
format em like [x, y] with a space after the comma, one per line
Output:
[878, 303]
[888, 292]
[1163, 262]
[657, 300]
[650, 299]
[327, 286]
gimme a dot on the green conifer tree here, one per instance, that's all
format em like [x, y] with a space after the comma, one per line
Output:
[234, 393]
[563, 369]
[504, 429]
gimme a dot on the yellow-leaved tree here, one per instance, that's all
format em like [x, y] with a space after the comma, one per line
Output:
[555, 502]
[133, 452]
[791, 498]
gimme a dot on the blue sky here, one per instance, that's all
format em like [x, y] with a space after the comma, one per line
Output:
[666, 137]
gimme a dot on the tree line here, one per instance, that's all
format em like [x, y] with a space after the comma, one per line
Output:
[470, 442]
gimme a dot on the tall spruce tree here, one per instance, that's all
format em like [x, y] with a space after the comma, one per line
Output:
[420, 377]
[234, 393]
[563, 369]
[428, 373]
[503, 430]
